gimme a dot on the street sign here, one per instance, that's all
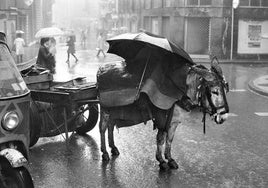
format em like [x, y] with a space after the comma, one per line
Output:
[235, 3]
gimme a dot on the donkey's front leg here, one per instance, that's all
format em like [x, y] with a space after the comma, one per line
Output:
[160, 140]
[104, 119]
[114, 149]
[170, 135]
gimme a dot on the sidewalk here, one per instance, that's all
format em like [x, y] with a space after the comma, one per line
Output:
[259, 85]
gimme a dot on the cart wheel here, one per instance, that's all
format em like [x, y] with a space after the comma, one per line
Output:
[87, 120]
[14, 177]
[35, 125]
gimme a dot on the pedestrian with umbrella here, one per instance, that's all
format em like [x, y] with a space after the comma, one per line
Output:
[45, 59]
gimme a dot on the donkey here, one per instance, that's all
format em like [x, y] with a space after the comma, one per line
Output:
[206, 89]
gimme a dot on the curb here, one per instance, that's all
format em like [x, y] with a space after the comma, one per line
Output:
[224, 61]
[256, 89]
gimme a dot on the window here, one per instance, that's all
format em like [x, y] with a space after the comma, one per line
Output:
[167, 3]
[157, 3]
[205, 2]
[165, 26]
[264, 3]
[147, 4]
[255, 3]
[12, 84]
[244, 2]
[192, 2]
[198, 2]
[155, 29]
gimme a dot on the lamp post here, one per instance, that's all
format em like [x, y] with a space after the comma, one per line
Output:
[234, 6]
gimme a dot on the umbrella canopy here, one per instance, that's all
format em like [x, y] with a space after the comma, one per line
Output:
[49, 32]
[128, 45]
[19, 32]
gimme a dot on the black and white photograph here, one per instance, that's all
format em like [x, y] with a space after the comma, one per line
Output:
[133, 93]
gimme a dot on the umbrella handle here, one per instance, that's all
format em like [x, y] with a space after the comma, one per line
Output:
[142, 76]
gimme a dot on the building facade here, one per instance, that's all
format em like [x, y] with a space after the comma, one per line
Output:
[26, 15]
[202, 27]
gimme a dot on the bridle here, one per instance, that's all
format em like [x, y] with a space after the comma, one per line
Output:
[204, 94]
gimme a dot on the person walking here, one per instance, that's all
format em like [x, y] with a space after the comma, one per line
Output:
[83, 39]
[71, 48]
[45, 58]
[19, 44]
[100, 45]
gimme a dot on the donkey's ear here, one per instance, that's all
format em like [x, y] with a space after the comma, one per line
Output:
[215, 67]
[207, 75]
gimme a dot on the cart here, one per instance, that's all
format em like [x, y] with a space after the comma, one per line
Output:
[61, 107]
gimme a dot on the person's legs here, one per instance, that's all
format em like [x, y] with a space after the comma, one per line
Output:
[21, 58]
[74, 57]
[98, 53]
[68, 56]
[103, 53]
[18, 58]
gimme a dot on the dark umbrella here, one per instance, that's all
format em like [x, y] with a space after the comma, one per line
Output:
[128, 45]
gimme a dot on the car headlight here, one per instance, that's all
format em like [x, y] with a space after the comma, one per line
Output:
[10, 120]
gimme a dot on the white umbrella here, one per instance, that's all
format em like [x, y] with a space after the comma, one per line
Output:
[49, 32]
[19, 32]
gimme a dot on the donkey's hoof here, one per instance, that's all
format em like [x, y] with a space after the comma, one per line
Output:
[163, 166]
[172, 164]
[115, 151]
[105, 156]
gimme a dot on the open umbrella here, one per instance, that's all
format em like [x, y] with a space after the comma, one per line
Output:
[19, 32]
[160, 65]
[49, 32]
[128, 45]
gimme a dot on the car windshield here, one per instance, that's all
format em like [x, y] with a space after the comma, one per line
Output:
[11, 81]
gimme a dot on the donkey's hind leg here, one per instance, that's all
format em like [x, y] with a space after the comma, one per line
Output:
[104, 123]
[114, 149]
[170, 135]
[160, 140]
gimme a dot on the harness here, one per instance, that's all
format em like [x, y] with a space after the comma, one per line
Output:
[203, 94]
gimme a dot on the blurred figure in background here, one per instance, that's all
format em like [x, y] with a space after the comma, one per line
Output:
[83, 39]
[19, 44]
[100, 45]
[71, 48]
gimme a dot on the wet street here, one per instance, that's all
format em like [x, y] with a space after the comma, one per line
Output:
[234, 154]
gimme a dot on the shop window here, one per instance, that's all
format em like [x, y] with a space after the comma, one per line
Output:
[244, 3]
[192, 2]
[255, 3]
[198, 2]
[264, 3]
[205, 2]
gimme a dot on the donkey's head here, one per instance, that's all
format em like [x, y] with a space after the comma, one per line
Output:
[211, 89]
